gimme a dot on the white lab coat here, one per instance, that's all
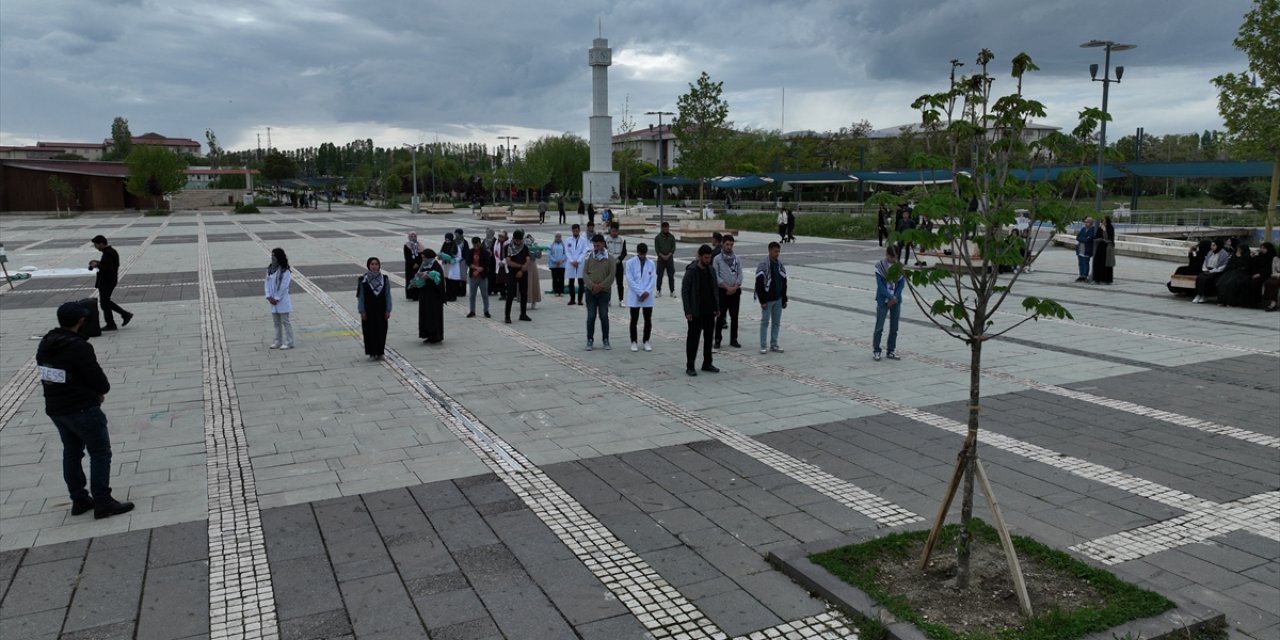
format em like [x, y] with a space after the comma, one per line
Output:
[576, 249]
[278, 291]
[641, 278]
[454, 271]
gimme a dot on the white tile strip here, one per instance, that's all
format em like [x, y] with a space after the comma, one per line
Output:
[241, 600]
[23, 383]
[662, 609]
[1206, 426]
[1256, 514]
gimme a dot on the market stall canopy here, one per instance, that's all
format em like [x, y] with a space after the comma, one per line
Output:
[1040, 174]
[1258, 169]
[741, 182]
[673, 181]
[904, 178]
[812, 177]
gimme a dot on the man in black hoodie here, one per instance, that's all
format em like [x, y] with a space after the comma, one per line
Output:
[108, 277]
[74, 388]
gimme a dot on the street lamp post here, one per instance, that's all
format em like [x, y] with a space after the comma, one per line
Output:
[511, 203]
[413, 148]
[661, 147]
[1106, 81]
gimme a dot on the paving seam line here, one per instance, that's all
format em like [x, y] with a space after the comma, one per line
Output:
[241, 598]
[657, 605]
[23, 383]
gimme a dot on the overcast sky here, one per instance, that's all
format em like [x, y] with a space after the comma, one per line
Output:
[404, 71]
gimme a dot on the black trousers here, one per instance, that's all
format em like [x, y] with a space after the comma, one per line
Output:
[517, 286]
[104, 298]
[582, 290]
[635, 320]
[729, 305]
[882, 234]
[557, 280]
[620, 270]
[700, 327]
[669, 266]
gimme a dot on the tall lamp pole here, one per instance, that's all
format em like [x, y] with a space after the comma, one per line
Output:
[413, 148]
[1106, 81]
[661, 147]
[511, 204]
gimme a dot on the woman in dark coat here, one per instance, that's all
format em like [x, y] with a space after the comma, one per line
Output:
[431, 299]
[1104, 253]
[1236, 286]
[1195, 260]
[791, 226]
[412, 262]
[373, 302]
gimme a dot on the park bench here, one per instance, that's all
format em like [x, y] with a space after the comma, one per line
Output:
[702, 230]
[948, 261]
[1182, 285]
[491, 213]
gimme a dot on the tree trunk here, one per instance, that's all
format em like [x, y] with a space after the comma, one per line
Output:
[966, 502]
[1271, 201]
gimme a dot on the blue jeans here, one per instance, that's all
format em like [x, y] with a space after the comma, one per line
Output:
[597, 304]
[1083, 263]
[79, 431]
[481, 286]
[881, 310]
[772, 312]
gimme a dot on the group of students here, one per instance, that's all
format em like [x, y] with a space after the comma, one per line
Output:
[1233, 273]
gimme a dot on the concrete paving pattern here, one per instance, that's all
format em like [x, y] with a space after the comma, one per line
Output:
[507, 484]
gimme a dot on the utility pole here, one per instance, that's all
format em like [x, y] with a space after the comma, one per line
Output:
[662, 147]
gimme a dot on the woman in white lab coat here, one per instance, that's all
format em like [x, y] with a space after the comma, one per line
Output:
[275, 288]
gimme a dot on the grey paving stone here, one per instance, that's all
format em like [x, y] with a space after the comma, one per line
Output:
[784, 598]
[341, 513]
[439, 583]
[380, 604]
[490, 567]
[584, 485]
[479, 493]
[639, 531]
[651, 497]
[110, 584]
[175, 601]
[522, 611]
[461, 528]
[620, 628]
[179, 544]
[737, 613]
[682, 566]
[438, 496]
[326, 625]
[113, 631]
[291, 533]
[41, 587]
[304, 586]
[478, 629]
[528, 537]
[357, 552]
[449, 608]
[751, 529]
[759, 501]
[803, 527]
[724, 552]
[681, 520]
[705, 500]
[577, 593]
[60, 551]
[419, 555]
[33, 626]
[120, 540]
[388, 499]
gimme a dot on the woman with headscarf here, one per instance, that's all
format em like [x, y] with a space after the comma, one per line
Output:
[1104, 253]
[412, 262]
[535, 283]
[1211, 268]
[452, 271]
[1271, 286]
[276, 290]
[431, 300]
[1236, 287]
[373, 303]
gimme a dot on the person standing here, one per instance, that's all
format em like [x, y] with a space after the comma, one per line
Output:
[882, 224]
[560, 208]
[576, 249]
[582, 210]
[905, 223]
[479, 266]
[698, 295]
[664, 244]
[888, 302]
[617, 246]
[412, 262]
[771, 292]
[105, 282]
[275, 288]
[591, 214]
[500, 266]
[542, 210]
[430, 278]
[450, 255]
[74, 389]
[557, 260]
[1084, 248]
[1104, 253]
[599, 272]
[531, 271]
[642, 276]
[518, 261]
[791, 225]
[782, 225]
[728, 268]
[373, 303]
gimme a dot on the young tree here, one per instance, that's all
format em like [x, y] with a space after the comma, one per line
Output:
[121, 140]
[702, 128]
[62, 192]
[1250, 102]
[554, 160]
[215, 151]
[154, 173]
[277, 167]
[964, 297]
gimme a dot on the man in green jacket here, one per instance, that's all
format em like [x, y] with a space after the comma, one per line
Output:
[598, 274]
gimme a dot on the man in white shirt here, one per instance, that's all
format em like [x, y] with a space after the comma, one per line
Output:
[576, 249]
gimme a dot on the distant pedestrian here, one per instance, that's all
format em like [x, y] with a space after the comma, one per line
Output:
[617, 246]
[431, 301]
[664, 244]
[479, 265]
[698, 295]
[542, 211]
[888, 302]
[728, 269]
[557, 260]
[905, 223]
[275, 288]
[782, 225]
[412, 262]
[577, 248]
[771, 293]
[105, 282]
[74, 389]
[500, 271]
[642, 276]
[598, 273]
[1084, 248]
[582, 210]
[373, 303]
[591, 214]
[882, 224]
[791, 225]
[518, 262]
[1104, 253]
[532, 271]
[560, 208]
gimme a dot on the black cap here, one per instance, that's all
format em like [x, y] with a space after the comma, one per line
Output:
[70, 313]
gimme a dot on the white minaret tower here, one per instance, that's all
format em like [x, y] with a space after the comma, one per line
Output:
[600, 183]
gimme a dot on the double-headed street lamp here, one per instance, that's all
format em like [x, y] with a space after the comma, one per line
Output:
[511, 203]
[1106, 81]
[661, 148]
[413, 206]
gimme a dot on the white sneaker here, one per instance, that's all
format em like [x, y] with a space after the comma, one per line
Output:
[635, 347]
[763, 350]
[647, 347]
[285, 347]
[1198, 300]
[274, 345]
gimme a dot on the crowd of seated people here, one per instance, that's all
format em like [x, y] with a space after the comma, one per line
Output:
[1237, 276]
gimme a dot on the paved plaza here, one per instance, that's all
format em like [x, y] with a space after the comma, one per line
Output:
[508, 484]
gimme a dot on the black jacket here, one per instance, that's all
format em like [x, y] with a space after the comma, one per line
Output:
[486, 261]
[69, 373]
[694, 286]
[108, 269]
